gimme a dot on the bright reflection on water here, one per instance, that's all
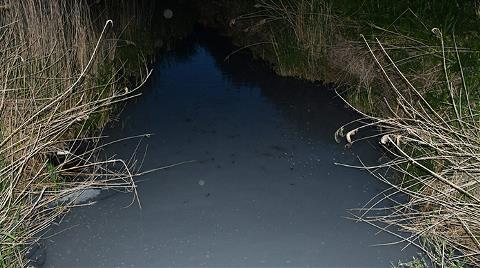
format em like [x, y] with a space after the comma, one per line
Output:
[263, 192]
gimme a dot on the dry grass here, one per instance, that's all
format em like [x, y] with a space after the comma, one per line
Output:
[300, 33]
[435, 155]
[51, 97]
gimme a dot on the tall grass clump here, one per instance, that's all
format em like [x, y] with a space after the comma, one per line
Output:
[434, 159]
[57, 87]
[300, 33]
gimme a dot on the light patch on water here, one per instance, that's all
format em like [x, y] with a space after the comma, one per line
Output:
[81, 197]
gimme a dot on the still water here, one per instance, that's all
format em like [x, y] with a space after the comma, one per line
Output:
[263, 191]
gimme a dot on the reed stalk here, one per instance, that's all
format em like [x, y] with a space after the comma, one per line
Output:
[55, 95]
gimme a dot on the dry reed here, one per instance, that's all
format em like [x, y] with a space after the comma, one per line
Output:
[435, 157]
[51, 97]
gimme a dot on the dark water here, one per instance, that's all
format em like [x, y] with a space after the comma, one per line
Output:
[263, 192]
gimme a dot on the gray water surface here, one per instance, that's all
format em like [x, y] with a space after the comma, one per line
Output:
[264, 190]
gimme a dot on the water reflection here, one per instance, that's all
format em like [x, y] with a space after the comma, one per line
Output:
[263, 192]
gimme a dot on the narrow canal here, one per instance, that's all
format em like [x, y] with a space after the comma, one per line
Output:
[263, 190]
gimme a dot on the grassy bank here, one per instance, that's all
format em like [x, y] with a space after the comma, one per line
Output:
[411, 68]
[59, 80]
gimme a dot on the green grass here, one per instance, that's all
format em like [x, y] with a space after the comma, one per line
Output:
[303, 33]
[405, 26]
